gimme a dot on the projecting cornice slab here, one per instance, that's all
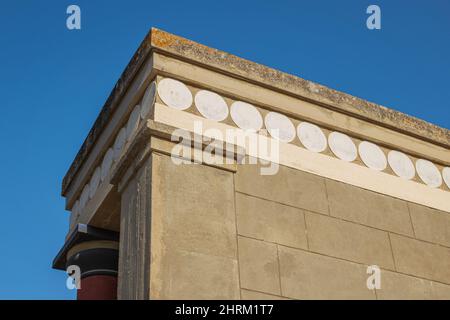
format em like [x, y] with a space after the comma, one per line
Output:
[191, 52]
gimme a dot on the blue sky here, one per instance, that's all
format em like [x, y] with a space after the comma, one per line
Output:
[54, 82]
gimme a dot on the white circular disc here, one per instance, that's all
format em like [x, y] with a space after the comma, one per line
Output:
[133, 122]
[372, 156]
[119, 143]
[342, 146]
[84, 196]
[246, 116]
[428, 173]
[95, 181]
[148, 100]
[106, 164]
[76, 209]
[279, 126]
[211, 105]
[446, 175]
[175, 94]
[312, 137]
[401, 164]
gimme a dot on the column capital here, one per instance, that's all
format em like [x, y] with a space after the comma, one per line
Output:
[81, 236]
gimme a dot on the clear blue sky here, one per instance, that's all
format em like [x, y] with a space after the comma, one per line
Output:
[54, 82]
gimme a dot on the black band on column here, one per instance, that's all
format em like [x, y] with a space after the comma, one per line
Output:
[82, 233]
[96, 261]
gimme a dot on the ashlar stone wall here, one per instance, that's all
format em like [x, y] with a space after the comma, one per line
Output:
[218, 234]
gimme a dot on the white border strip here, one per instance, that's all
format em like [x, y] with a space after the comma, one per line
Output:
[320, 164]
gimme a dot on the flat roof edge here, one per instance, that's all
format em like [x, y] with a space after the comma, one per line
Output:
[258, 73]
[194, 52]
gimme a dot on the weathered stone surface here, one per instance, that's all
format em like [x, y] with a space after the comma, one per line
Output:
[270, 221]
[396, 286]
[430, 224]
[307, 275]
[135, 233]
[288, 186]
[349, 241]
[253, 295]
[258, 265]
[191, 275]
[193, 235]
[440, 291]
[196, 205]
[368, 208]
[421, 259]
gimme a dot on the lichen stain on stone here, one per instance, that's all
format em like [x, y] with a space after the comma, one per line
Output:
[162, 39]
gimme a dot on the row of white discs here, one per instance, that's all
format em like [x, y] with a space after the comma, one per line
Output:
[175, 94]
[125, 135]
[212, 106]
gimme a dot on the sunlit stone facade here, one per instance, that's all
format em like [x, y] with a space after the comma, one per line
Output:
[207, 176]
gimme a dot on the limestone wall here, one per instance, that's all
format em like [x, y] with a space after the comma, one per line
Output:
[223, 235]
[313, 238]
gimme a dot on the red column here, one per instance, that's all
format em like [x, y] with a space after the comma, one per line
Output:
[98, 287]
[98, 267]
[90, 256]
